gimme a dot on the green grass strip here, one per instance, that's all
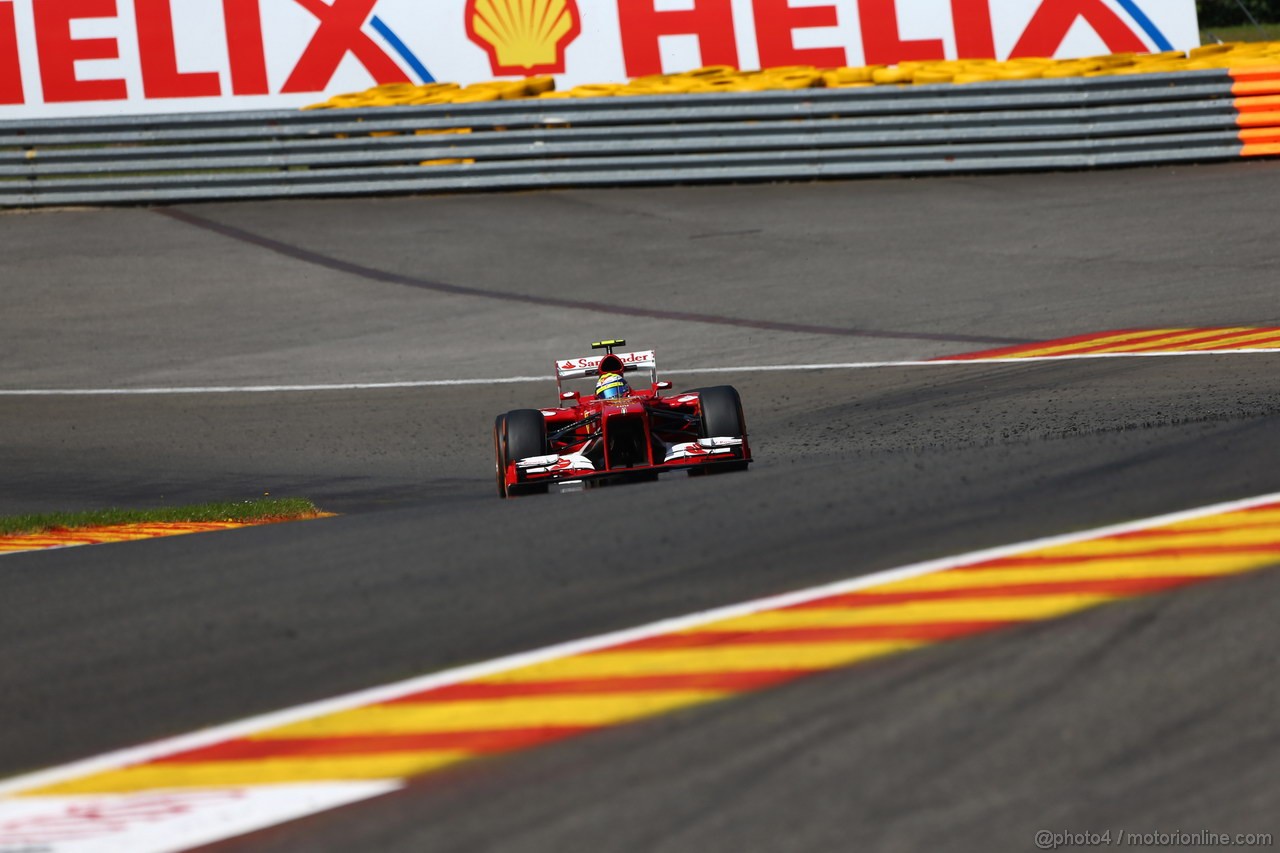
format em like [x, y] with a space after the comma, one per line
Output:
[1246, 32]
[251, 511]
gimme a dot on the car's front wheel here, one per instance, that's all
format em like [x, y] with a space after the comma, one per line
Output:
[721, 409]
[518, 435]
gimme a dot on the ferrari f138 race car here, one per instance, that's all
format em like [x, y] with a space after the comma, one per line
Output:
[622, 431]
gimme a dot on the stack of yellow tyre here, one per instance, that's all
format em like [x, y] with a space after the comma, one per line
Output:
[722, 78]
[410, 94]
[725, 79]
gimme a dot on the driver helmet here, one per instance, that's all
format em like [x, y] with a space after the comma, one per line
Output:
[611, 386]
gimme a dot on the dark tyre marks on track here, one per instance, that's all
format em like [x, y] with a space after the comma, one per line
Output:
[338, 265]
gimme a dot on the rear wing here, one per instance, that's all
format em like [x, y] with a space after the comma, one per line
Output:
[581, 368]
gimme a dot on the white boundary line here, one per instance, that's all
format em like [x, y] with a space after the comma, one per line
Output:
[43, 548]
[251, 725]
[511, 380]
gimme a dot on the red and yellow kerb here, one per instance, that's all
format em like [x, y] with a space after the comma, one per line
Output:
[578, 693]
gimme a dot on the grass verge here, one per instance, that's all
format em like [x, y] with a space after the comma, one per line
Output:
[253, 511]
[1247, 32]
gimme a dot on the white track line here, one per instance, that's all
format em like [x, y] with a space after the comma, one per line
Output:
[252, 725]
[511, 380]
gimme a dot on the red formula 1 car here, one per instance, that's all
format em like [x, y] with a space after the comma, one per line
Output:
[623, 432]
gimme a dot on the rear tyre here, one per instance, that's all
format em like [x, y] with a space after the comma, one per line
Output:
[721, 417]
[519, 434]
[500, 462]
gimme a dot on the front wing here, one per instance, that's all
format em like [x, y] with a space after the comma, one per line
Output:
[705, 452]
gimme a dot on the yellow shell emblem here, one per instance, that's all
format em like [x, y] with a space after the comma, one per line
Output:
[524, 37]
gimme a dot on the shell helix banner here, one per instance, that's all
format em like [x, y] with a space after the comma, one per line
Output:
[115, 57]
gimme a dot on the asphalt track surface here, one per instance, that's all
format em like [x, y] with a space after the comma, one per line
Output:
[1152, 715]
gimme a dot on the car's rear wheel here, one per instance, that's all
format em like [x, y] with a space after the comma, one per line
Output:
[500, 461]
[518, 435]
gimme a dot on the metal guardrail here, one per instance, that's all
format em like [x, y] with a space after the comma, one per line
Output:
[777, 135]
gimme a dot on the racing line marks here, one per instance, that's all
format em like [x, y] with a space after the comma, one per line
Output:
[367, 743]
[372, 274]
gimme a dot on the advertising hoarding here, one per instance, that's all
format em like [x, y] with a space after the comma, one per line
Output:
[116, 57]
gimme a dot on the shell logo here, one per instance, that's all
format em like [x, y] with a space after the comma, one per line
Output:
[524, 37]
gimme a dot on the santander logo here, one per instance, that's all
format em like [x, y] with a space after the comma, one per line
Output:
[636, 358]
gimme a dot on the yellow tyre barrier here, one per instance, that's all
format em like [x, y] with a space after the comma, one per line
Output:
[723, 78]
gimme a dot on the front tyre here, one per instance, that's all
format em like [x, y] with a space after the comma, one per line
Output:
[721, 409]
[518, 435]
